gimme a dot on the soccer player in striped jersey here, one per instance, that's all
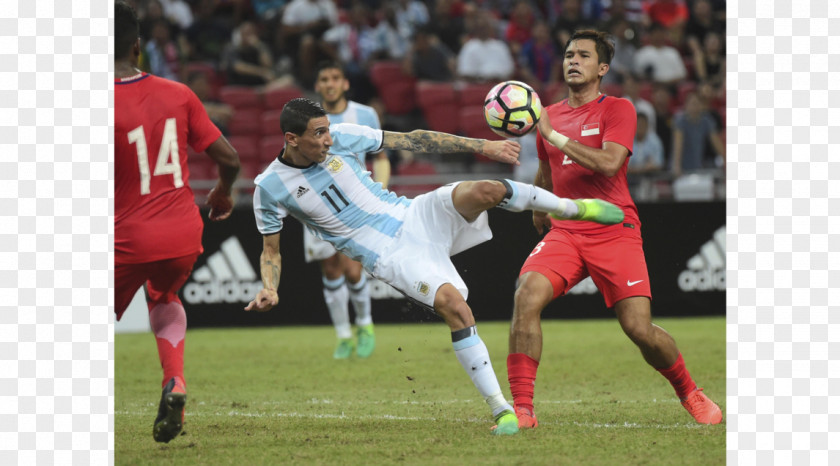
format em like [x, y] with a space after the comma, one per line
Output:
[319, 179]
[343, 277]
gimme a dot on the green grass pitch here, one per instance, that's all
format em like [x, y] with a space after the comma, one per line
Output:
[276, 396]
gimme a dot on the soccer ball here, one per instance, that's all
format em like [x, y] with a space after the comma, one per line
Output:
[512, 109]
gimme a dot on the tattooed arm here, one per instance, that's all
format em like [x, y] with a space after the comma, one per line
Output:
[270, 271]
[506, 151]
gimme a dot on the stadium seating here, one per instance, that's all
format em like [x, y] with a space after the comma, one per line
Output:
[246, 146]
[271, 123]
[439, 104]
[270, 147]
[278, 97]
[241, 97]
[395, 88]
[412, 168]
[473, 125]
[553, 93]
[613, 89]
[246, 122]
[474, 94]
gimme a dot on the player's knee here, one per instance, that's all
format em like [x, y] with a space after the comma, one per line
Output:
[531, 296]
[452, 307]
[639, 332]
[488, 192]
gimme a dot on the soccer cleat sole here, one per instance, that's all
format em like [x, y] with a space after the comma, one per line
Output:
[170, 426]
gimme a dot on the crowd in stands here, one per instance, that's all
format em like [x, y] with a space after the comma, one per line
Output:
[436, 59]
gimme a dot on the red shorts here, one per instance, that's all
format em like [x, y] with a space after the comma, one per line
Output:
[615, 261]
[163, 279]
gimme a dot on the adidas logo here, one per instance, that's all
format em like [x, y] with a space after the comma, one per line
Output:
[706, 270]
[227, 277]
[301, 191]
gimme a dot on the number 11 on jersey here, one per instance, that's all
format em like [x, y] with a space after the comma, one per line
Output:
[168, 160]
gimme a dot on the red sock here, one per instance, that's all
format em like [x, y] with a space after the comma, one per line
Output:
[679, 377]
[169, 324]
[522, 373]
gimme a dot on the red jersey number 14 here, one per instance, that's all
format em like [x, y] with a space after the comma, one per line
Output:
[168, 162]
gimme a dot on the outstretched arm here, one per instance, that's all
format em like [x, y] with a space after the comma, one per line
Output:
[607, 160]
[270, 272]
[419, 140]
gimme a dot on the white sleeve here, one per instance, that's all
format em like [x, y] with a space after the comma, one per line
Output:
[349, 138]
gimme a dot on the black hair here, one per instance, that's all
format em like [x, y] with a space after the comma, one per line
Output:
[329, 65]
[126, 29]
[296, 115]
[603, 46]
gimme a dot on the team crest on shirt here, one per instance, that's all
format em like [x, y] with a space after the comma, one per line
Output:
[423, 288]
[335, 165]
[590, 129]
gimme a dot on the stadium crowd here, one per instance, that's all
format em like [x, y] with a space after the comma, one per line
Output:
[429, 63]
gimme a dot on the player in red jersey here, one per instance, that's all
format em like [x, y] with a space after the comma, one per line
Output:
[583, 146]
[157, 227]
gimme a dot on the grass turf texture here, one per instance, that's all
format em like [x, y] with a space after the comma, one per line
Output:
[276, 396]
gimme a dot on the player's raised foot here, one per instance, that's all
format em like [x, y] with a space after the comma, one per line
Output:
[366, 340]
[506, 423]
[344, 349]
[170, 418]
[594, 210]
[704, 410]
[527, 418]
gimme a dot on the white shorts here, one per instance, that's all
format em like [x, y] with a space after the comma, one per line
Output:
[316, 249]
[417, 262]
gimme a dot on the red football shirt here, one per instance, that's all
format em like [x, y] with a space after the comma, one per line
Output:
[604, 119]
[155, 216]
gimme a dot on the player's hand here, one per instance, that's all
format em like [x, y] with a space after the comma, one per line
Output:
[541, 222]
[544, 125]
[506, 151]
[220, 202]
[265, 300]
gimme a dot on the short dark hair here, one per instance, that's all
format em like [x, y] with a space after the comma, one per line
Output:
[329, 65]
[296, 115]
[603, 46]
[126, 29]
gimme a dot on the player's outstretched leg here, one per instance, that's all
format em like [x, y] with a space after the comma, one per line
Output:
[170, 418]
[522, 196]
[593, 210]
[360, 297]
[473, 356]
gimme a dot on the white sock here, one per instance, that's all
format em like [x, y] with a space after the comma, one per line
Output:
[335, 295]
[523, 196]
[360, 297]
[474, 358]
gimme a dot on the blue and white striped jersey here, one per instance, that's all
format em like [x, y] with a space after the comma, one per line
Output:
[336, 199]
[356, 113]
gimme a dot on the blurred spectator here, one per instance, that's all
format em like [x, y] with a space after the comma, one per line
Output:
[178, 12]
[520, 26]
[412, 13]
[247, 60]
[713, 100]
[429, 59]
[710, 61]
[447, 23]
[393, 39]
[631, 93]
[569, 20]
[219, 113]
[269, 11]
[694, 129]
[162, 53]
[648, 153]
[701, 22]
[625, 50]
[304, 23]
[152, 15]
[629, 10]
[208, 34]
[539, 60]
[666, 13]
[664, 119]
[485, 57]
[351, 43]
[659, 61]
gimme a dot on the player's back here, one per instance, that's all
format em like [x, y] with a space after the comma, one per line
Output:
[155, 216]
